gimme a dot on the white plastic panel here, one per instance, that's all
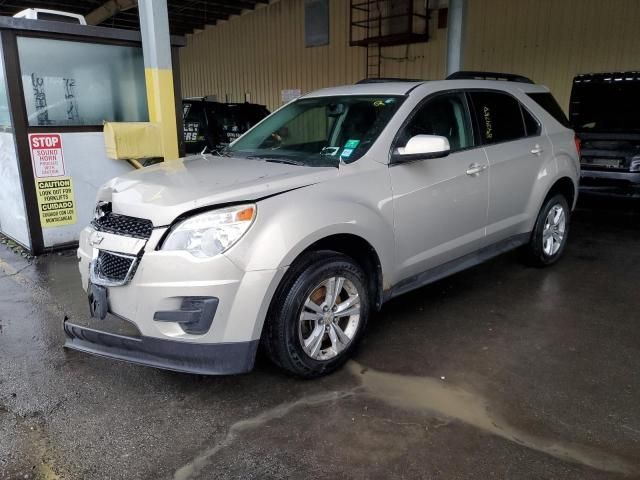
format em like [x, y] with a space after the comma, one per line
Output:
[87, 165]
[13, 218]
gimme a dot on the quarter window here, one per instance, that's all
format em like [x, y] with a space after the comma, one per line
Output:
[499, 117]
[445, 115]
[546, 101]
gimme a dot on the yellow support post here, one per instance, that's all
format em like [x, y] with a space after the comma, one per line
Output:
[156, 46]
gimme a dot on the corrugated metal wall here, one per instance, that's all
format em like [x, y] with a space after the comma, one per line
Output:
[262, 52]
[553, 40]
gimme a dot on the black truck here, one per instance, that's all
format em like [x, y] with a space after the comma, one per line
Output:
[211, 125]
[605, 114]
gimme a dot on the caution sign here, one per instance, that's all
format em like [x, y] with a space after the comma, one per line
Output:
[55, 202]
[46, 154]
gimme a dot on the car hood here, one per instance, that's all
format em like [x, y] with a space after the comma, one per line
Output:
[162, 192]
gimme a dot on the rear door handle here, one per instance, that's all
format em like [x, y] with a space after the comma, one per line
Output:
[537, 150]
[475, 169]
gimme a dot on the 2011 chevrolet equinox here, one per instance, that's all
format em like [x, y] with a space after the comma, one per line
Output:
[339, 201]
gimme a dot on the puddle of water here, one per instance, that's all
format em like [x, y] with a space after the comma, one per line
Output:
[423, 393]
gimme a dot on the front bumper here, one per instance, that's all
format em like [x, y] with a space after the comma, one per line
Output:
[198, 358]
[156, 294]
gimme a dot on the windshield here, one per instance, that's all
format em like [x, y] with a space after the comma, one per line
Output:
[319, 131]
[601, 107]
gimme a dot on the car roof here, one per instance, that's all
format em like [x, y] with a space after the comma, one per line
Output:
[405, 88]
[377, 88]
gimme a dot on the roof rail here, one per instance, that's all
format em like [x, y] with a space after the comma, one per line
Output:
[471, 75]
[387, 79]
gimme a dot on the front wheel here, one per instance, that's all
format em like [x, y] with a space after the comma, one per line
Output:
[549, 236]
[318, 315]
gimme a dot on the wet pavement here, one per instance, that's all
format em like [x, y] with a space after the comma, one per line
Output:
[501, 371]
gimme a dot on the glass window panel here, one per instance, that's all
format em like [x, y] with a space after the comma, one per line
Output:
[5, 117]
[446, 116]
[530, 123]
[75, 83]
[499, 117]
[13, 216]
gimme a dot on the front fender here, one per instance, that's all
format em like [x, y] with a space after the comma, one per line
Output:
[288, 224]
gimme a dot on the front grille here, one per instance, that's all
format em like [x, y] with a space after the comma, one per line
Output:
[112, 269]
[124, 225]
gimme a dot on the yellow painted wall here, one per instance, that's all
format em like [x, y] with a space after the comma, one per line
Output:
[263, 52]
[551, 41]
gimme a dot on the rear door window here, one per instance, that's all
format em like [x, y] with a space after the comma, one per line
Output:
[498, 116]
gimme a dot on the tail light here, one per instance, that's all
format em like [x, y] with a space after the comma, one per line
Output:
[578, 144]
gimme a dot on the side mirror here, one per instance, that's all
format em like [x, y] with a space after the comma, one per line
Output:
[422, 147]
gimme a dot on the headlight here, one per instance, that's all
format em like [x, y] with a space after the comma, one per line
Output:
[211, 233]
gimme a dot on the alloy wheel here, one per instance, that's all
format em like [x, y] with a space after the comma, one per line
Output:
[554, 230]
[329, 319]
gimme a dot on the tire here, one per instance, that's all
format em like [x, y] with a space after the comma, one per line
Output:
[293, 322]
[539, 253]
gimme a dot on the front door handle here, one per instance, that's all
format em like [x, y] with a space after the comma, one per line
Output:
[537, 150]
[475, 169]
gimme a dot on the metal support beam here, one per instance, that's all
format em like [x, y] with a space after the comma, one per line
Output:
[455, 35]
[108, 10]
[156, 48]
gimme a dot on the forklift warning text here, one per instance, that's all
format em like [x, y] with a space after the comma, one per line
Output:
[46, 154]
[55, 202]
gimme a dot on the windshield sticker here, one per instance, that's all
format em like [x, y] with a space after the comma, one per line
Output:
[379, 103]
[351, 145]
[331, 151]
[346, 153]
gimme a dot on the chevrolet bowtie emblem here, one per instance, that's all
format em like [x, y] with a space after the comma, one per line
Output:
[96, 239]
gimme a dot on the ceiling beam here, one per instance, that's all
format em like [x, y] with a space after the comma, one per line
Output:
[200, 10]
[239, 4]
[108, 10]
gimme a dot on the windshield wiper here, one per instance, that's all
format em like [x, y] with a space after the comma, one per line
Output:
[275, 159]
[222, 152]
[283, 160]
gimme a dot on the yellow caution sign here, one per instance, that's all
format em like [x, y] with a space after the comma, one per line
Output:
[56, 202]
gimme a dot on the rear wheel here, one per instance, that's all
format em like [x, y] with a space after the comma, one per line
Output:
[549, 237]
[318, 315]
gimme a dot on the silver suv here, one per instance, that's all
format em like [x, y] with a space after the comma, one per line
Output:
[341, 200]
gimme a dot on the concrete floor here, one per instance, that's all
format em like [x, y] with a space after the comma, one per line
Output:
[502, 371]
